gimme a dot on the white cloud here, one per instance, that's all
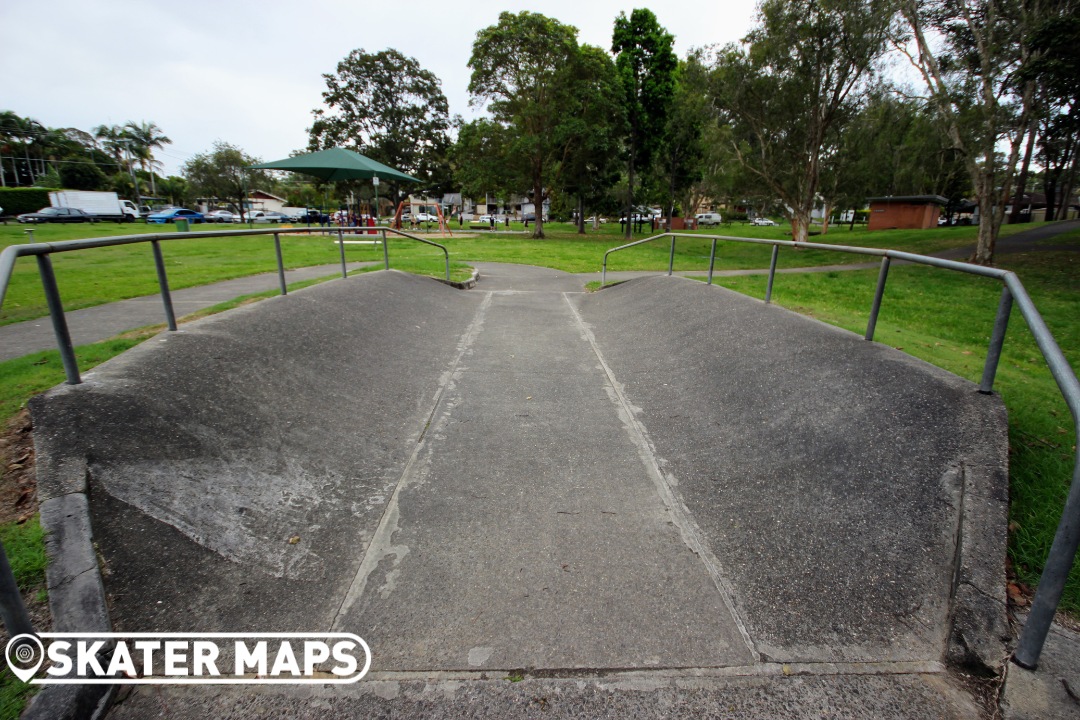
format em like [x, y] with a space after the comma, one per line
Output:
[251, 73]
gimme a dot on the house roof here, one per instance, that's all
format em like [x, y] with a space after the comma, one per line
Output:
[911, 199]
[265, 195]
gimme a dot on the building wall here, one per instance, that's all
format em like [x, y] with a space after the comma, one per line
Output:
[897, 216]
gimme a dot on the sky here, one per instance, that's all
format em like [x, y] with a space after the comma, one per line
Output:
[250, 73]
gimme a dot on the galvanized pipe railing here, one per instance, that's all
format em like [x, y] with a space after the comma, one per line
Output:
[42, 251]
[1067, 538]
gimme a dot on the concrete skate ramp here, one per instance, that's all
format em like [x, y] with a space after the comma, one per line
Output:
[271, 435]
[659, 475]
[826, 472]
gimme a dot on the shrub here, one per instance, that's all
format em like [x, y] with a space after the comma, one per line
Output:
[16, 201]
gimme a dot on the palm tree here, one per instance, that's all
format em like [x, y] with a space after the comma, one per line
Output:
[146, 136]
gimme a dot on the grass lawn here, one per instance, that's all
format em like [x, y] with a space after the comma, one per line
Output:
[92, 277]
[24, 544]
[946, 318]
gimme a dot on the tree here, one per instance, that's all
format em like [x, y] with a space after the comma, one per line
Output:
[788, 94]
[590, 132]
[891, 146]
[480, 159]
[386, 106]
[646, 66]
[143, 138]
[521, 67]
[975, 83]
[682, 151]
[81, 175]
[1055, 68]
[224, 173]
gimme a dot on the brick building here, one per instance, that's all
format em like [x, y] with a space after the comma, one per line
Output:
[905, 212]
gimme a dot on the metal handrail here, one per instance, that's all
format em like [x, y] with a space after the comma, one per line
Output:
[42, 251]
[1067, 538]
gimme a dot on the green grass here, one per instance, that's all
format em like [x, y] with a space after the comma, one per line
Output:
[92, 277]
[24, 544]
[946, 318]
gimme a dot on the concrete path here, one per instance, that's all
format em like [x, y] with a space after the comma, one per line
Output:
[663, 500]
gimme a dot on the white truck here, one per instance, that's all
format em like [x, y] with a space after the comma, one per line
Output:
[102, 205]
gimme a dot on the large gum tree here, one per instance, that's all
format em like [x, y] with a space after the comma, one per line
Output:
[787, 92]
[521, 67]
[388, 107]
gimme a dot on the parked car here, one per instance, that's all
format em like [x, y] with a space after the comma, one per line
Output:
[56, 214]
[174, 214]
[258, 216]
[221, 216]
[592, 220]
[487, 218]
[762, 221]
[531, 217]
[426, 217]
[636, 217]
[278, 217]
[709, 218]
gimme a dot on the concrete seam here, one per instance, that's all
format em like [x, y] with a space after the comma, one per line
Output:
[770, 669]
[691, 534]
[958, 554]
[382, 538]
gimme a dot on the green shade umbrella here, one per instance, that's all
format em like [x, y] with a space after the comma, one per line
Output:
[337, 164]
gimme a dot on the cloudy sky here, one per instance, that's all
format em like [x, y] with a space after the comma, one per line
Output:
[250, 73]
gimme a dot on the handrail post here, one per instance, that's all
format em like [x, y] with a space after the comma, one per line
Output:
[772, 273]
[59, 322]
[280, 264]
[163, 283]
[671, 257]
[883, 274]
[341, 246]
[1052, 581]
[385, 252]
[603, 271]
[12, 609]
[447, 254]
[712, 260]
[997, 340]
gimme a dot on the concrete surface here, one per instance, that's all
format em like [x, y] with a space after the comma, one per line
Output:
[662, 500]
[1052, 691]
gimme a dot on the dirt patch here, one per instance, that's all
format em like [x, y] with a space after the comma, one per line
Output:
[18, 483]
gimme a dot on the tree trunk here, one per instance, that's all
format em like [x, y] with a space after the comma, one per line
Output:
[1070, 183]
[538, 206]
[630, 196]
[825, 220]
[580, 215]
[1021, 181]
[800, 225]
[984, 249]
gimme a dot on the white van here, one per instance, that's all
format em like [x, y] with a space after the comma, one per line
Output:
[708, 218]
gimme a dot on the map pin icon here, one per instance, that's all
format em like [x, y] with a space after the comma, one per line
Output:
[21, 651]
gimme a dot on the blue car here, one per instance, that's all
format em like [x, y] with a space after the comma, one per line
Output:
[173, 214]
